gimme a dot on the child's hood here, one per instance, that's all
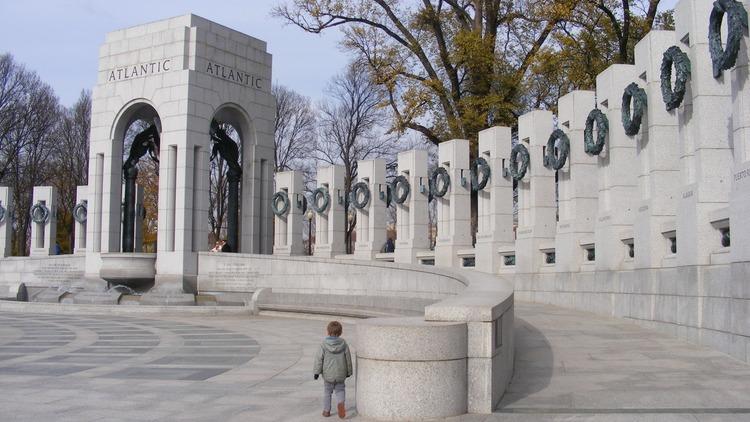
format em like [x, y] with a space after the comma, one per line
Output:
[334, 344]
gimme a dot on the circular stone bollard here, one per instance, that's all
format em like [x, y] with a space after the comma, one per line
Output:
[409, 369]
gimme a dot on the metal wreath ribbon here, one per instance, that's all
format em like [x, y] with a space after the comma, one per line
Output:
[480, 165]
[442, 174]
[360, 186]
[637, 95]
[400, 188]
[602, 128]
[681, 61]
[39, 213]
[321, 191]
[516, 172]
[284, 198]
[81, 212]
[724, 59]
[557, 161]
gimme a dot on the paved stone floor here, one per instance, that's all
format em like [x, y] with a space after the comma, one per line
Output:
[570, 366]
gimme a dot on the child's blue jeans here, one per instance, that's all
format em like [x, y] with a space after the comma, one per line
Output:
[333, 387]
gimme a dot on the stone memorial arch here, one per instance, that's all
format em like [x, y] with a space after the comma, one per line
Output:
[178, 75]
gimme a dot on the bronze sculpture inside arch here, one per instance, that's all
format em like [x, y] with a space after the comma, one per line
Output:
[227, 149]
[146, 142]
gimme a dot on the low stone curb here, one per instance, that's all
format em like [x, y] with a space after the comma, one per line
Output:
[68, 309]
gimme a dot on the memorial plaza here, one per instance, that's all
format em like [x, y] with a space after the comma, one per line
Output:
[571, 365]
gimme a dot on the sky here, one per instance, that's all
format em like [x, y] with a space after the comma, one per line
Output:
[60, 39]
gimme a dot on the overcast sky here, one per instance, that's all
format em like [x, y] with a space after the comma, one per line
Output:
[59, 39]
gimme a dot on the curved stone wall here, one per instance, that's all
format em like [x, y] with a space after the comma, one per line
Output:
[245, 273]
[701, 304]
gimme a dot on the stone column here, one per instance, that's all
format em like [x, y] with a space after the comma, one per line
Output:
[495, 201]
[80, 219]
[537, 211]
[618, 174]
[657, 153]
[43, 234]
[740, 199]
[705, 120]
[453, 209]
[330, 224]
[288, 227]
[6, 222]
[412, 231]
[577, 186]
[371, 219]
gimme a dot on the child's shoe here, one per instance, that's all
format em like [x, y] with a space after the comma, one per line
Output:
[326, 413]
[342, 410]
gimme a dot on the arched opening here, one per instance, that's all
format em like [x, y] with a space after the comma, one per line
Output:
[229, 132]
[139, 130]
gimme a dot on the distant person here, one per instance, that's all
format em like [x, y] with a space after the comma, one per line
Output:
[389, 246]
[334, 361]
[217, 246]
[58, 248]
[225, 246]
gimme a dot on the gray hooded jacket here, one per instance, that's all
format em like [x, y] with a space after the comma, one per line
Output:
[333, 360]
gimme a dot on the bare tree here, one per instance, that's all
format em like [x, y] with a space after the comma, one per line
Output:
[294, 129]
[352, 128]
[71, 163]
[29, 115]
[15, 84]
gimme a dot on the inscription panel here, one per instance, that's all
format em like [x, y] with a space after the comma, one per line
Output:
[55, 274]
[233, 277]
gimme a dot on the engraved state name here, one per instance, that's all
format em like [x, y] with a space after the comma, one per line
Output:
[234, 75]
[139, 70]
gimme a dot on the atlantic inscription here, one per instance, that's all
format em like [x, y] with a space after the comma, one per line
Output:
[139, 70]
[233, 75]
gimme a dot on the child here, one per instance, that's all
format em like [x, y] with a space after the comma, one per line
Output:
[334, 361]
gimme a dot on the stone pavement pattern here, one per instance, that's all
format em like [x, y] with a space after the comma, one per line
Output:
[569, 366]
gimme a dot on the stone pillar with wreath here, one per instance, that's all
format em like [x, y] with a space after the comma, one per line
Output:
[6, 221]
[451, 188]
[622, 102]
[43, 215]
[705, 122]
[327, 201]
[370, 197]
[536, 193]
[576, 180]
[410, 192]
[80, 218]
[288, 205]
[666, 68]
[740, 196]
[494, 188]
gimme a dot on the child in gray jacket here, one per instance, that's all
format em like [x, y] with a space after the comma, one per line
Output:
[334, 361]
